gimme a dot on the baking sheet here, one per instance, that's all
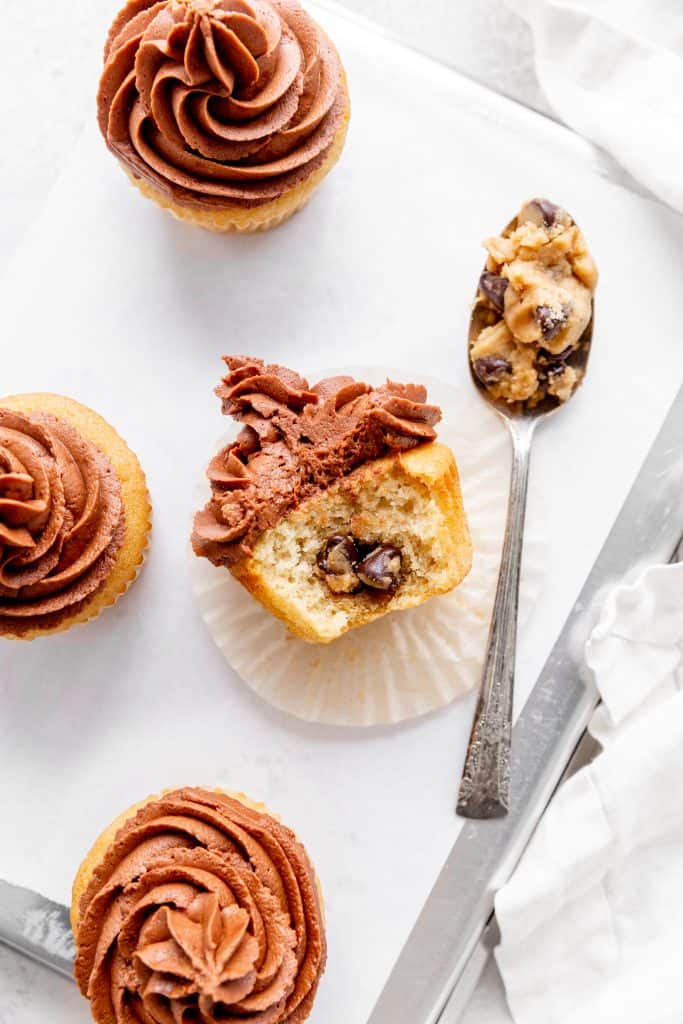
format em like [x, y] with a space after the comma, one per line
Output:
[119, 306]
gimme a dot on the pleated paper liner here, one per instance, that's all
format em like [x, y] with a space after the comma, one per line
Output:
[407, 663]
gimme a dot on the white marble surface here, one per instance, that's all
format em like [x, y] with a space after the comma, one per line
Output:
[49, 67]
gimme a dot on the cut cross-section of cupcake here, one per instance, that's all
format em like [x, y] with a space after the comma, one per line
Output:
[405, 538]
[335, 505]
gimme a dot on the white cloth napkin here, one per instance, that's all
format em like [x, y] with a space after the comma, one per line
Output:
[592, 920]
[613, 71]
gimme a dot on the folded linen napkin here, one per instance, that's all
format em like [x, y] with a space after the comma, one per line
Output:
[592, 919]
[613, 71]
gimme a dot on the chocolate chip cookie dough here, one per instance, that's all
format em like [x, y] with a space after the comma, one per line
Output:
[535, 302]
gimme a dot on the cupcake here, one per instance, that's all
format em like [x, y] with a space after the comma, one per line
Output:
[74, 515]
[197, 905]
[228, 113]
[335, 505]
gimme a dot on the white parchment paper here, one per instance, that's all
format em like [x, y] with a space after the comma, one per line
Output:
[116, 304]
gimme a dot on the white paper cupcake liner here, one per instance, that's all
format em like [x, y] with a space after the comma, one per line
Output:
[408, 663]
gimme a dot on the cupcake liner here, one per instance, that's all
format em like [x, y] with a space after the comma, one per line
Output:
[407, 663]
[221, 221]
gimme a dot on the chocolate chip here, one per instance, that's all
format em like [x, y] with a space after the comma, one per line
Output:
[545, 357]
[548, 209]
[339, 556]
[551, 320]
[491, 369]
[381, 569]
[539, 212]
[493, 286]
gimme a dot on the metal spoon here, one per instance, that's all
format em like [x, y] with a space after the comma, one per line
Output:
[485, 786]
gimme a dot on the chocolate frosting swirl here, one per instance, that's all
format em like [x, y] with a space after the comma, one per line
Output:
[202, 909]
[220, 100]
[61, 519]
[294, 442]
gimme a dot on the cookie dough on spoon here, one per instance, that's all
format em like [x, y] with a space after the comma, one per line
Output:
[535, 303]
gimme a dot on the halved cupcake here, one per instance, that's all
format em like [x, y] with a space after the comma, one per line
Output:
[335, 505]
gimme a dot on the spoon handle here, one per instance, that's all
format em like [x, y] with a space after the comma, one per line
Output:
[485, 786]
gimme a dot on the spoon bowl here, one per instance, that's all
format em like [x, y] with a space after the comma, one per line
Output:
[484, 316]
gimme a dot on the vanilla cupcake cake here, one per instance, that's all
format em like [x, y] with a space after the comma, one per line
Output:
[228, 113]
[74, 515]
[197, 905]
[335, 504]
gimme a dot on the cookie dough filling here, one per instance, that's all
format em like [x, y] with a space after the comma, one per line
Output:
[535, 302]
[348, 565]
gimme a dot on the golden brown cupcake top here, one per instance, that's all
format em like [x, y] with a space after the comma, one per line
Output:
[297, 440]
[61, 520]
[202, 909]
[216, 101]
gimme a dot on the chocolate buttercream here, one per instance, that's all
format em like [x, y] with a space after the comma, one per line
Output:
[296, 441]
[220, 101]
[61, 520]
[201, 909]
